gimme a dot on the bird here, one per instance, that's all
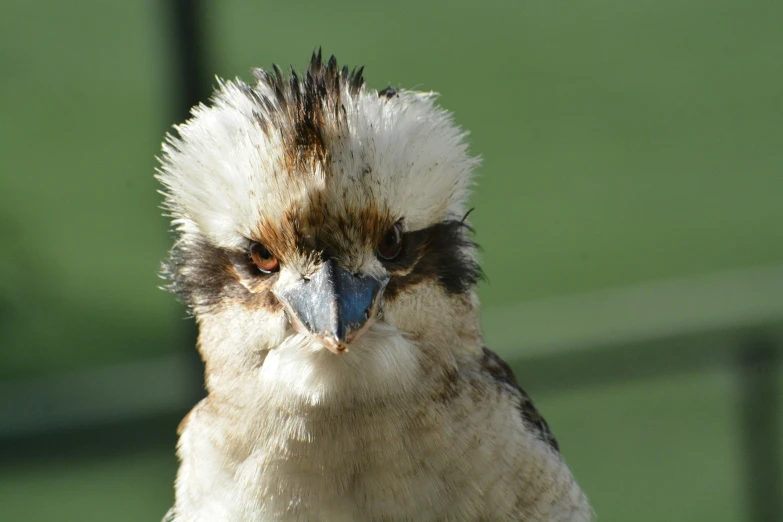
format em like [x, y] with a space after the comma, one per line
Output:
[323, 245]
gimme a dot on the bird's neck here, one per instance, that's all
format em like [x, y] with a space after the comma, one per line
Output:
[300, 378]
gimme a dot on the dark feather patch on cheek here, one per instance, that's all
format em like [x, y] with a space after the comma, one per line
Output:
[440, 253]
[203, 275]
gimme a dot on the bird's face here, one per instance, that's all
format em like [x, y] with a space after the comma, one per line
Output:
[316, 215]
[331, 281]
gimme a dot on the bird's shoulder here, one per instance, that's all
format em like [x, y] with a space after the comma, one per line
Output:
[502, 374]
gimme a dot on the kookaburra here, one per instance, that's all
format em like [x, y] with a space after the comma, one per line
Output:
[324, 249]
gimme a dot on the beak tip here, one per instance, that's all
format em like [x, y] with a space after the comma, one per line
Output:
[336, 345]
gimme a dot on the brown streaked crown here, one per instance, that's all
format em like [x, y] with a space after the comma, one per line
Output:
[301, 108]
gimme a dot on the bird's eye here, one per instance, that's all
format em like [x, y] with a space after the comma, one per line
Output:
[391, 244]
[263, 258]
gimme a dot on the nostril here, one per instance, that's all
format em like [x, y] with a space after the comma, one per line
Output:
[367, 313]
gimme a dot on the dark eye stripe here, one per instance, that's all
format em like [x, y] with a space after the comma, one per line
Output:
[441, 253]
[202, 275]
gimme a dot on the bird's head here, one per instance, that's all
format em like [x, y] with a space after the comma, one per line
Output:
[316, 215]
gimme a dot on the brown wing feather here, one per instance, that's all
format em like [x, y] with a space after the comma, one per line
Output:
[502, 373]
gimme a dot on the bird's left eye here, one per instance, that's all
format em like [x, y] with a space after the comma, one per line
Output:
[391, 243]
[263, 258]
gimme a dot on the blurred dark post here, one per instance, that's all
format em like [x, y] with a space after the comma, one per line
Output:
[188, 71]
[760, 425]
[190, 84]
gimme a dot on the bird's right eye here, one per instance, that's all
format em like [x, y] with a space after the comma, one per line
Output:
[263, 258]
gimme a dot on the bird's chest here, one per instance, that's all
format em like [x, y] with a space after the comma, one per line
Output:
[389, 463]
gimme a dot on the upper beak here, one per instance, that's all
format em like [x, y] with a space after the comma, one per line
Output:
[334, 305]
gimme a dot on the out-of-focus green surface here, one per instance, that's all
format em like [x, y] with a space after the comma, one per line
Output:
[655, 450]
[129, 488]
[83, 112]
[622, 142]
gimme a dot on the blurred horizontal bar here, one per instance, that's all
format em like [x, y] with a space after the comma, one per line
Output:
[95, 396]
[564, 372]
[634, 314]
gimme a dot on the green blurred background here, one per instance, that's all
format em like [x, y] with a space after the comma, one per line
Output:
[629, 207]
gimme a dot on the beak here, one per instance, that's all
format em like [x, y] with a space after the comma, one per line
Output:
[334, 305]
